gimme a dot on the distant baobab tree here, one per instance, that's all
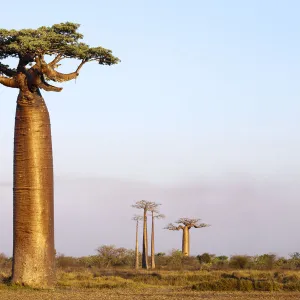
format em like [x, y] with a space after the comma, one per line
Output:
[33, 241]
[137, 219]
[145, 206]
[154, 215]
[185, 224]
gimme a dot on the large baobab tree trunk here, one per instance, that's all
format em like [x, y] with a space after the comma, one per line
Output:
[145, 243]
[137, 246]
[33, 242]
[152, 244]
[186, 241]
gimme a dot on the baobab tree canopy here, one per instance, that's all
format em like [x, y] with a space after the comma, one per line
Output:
[33, 45]
[191, 222]
[186, 222]
[144, 204]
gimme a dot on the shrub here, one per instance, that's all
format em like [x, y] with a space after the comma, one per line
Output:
[228, 284]
[175, 260]
[265, 261]
[240, 261]
[110, 255]
[245, 285]
[5, 262]
[292, 286]
[204, 258]
[63, 261]
[263, 285]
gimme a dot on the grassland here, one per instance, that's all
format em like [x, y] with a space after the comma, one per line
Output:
[128, 284]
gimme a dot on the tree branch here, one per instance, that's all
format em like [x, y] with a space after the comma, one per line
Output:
[57, 59]
[49, 88]
[200, 225]
[173, 227]
[49, 71]
[9, 82]
[144, 204]
[137, 218]
[159, 216]
[7, 71]
[81, 64]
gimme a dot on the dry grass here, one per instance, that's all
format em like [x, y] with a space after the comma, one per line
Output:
[128, 284]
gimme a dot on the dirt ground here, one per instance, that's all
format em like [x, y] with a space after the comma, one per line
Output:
[124, 294]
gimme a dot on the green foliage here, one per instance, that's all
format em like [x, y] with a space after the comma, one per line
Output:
[222, 258]
[204, 258]
[295, 255]
[265, 261]
[240, 261]
[111, 256]
[175, 260]
[59, 39]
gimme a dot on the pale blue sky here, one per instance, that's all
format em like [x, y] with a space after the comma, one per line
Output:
[206, 91]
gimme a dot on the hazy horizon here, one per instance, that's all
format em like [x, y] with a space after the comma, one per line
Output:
[201, 115]
[242, 221]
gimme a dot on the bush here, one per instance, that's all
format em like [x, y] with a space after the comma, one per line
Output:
[228, 284]
[292, 286]
[263, 285]
[204, 258]
[112, 256]
[63, 261]
[240, 261]
[245, 285]
[175, 260]
[265, 261]
[5, 262]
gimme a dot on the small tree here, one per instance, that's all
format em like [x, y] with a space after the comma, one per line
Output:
[185, 224]
[175, 260]
[204, 258]
[110, 255]
[137, 219]
[240, 261]
[33, 242]
[145, 206]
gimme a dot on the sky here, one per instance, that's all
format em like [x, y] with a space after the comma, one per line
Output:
[200, 116]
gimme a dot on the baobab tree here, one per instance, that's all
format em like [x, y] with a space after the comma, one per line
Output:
[185, 224]
[33, 240]
[137, 219]
[154, 215]
[145, 206]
